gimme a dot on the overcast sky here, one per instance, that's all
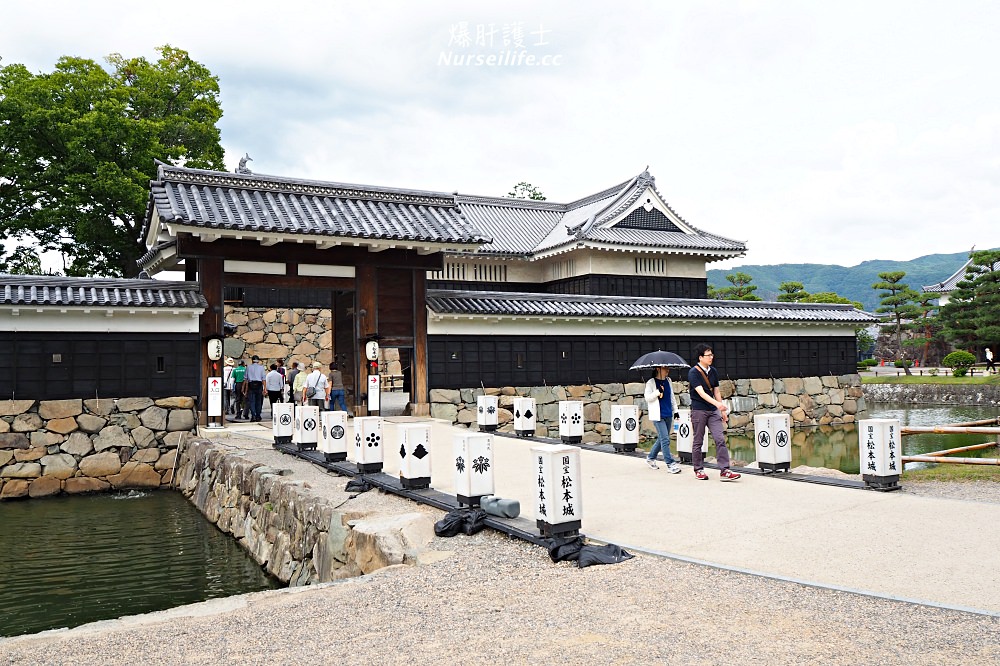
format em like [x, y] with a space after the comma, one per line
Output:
[825, 132]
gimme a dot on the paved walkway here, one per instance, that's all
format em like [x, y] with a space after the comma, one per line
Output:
[930, 550]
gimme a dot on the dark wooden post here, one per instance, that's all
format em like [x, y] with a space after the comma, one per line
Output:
[420, 403]
[210, 278]
[366, 284]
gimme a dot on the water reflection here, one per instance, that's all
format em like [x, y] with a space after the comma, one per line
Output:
[72, 560]
[836, 447]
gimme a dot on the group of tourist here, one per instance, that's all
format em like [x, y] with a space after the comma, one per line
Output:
[707, 411]
[245, 386]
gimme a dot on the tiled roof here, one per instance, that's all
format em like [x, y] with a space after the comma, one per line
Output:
[951, 284]
[447, 302]
[252, 203]
[45, 290]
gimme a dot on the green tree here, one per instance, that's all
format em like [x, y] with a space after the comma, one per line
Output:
[830, 297]
[866, 341]
[741, 289]
[897, 300]
[791, 292]
[525, 190]
[925, 325]
[22, 261]
[77, 151]
[972, 315]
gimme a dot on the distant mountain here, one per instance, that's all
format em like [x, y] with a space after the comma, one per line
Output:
[853, 282]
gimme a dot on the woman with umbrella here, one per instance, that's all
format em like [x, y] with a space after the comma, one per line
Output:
[661, 402]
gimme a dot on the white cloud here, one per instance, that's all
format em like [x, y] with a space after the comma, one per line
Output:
[830, 133]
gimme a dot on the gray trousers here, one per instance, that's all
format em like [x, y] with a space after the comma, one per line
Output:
[713, 419]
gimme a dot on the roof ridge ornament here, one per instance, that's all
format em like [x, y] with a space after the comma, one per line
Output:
[243, 168]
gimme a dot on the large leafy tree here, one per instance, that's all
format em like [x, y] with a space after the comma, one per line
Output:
[77, 151]
[972, 314]
[741, 289]
[897, 300]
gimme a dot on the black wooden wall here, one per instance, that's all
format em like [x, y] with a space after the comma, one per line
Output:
[463, 361]
[58, 365]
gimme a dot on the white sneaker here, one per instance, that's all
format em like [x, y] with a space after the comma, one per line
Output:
[674, 468]
[651, 463]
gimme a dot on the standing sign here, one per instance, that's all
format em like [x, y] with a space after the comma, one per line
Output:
[373, 393]
[880, 451]
[558, 502]
[215, 396]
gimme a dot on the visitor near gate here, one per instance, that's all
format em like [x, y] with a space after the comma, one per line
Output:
[255, 388]
[290, 382]
[314, 389]
[227, 385]
[708, 410]
[240, 390]
[335, 390]
[662, 405]
[299, 385]
[274, 382]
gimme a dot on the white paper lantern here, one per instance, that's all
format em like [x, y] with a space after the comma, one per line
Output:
[525, 413]
[559, 499]
[880, 453]
[282, 422]
[473, 455]
[570, 421]
[624, 427]
[773, 442]
[369, 444]
[415, 456]
[333, 436]
[306, 427]
[487, 409]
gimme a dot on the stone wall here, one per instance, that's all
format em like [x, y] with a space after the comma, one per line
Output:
[941, 394]
[81, 446]
[296, 534]
[809, 401]
[292, 334]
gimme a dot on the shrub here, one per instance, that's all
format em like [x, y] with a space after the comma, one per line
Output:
[868, 362]
[934, 372]
[903, 364]
[959, 372]
[959, 359]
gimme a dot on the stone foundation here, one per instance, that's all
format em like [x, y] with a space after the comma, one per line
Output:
[297, 535]
[938, 394]
[81, 446]
[810, 401]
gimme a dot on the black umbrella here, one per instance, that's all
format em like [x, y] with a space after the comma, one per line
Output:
[659, 358]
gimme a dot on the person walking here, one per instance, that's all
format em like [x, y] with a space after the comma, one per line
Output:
[240, 390]
[293, 396]
[274, 382]
[990, 366]
[314, 388]
[228, 385]
[255, 388]
[335, 390]
[662, 405]
[708, 410]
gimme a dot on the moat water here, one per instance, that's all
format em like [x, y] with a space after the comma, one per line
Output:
[66, 561]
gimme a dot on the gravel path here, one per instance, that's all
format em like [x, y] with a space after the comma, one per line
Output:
[487, 599]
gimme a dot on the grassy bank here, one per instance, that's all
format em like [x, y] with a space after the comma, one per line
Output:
[957, 473]
[981, 380]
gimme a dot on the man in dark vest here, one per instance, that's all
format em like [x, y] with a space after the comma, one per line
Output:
[708, 410]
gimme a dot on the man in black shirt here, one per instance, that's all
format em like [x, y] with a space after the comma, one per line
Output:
[708, 409]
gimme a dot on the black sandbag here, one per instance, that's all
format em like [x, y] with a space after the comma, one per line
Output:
[567, 548]
[606, 554]
[475, 521]
[358, 485]
[452, 523]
